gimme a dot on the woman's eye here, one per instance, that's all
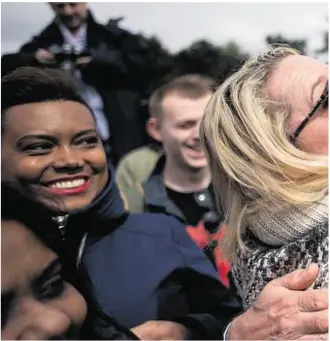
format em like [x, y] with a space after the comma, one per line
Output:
[89, 141]
[52, 288]
[38, 148]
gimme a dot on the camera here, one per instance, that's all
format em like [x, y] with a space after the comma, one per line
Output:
[66, 56]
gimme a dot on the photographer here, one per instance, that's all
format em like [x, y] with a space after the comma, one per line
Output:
[109, 66]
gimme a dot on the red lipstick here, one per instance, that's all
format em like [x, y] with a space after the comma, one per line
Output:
[70, 191]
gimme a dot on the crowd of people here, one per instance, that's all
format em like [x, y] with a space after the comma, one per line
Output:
[217, 230]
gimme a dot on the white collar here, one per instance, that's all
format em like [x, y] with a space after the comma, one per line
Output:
[73, 39]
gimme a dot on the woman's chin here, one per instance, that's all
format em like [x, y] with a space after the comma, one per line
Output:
[70, 207]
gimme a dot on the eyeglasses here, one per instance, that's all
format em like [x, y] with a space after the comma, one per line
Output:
[322, 102]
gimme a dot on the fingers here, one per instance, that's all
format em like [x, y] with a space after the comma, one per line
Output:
[316, 322]
[293, 328]
[313, 300]
[83, 60]
[44, 56]
[315, 337]
[299, 279]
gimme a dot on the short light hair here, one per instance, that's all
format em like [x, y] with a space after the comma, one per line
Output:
[189, 86]
[255, 168]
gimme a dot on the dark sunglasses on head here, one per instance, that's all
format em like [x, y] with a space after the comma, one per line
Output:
[323, 102]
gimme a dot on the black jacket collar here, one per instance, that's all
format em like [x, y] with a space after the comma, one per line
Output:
[107, 206]
[156, 197]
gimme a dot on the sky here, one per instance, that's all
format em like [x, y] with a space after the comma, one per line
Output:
[177, 24]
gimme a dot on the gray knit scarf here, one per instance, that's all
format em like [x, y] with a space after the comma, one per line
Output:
[280, 243]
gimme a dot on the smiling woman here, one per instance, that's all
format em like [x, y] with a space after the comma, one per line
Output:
[52, 163]
[45, 157]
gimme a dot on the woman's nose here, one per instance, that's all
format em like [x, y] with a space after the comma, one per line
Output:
[48, 324]
[67, 158]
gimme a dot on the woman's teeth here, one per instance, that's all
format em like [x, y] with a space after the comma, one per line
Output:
[68, 184]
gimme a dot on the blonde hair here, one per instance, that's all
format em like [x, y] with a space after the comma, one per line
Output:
[255, 167]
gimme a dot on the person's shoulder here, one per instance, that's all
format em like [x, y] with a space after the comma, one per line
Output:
[110, 28]
[44, 35]
[140, 154]
[48, 30]
[136, 166]
[118, 33]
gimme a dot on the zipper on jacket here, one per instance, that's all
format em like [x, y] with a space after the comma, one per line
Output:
[61, 222]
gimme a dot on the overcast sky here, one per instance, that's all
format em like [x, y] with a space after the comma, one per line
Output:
[179, 24]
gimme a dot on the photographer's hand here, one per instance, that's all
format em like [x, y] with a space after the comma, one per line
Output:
[83, 61]
[44, 56]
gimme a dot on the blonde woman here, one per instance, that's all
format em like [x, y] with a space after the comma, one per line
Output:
[266, 134]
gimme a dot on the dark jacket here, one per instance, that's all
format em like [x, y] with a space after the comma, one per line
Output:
[98, 325]
[118, 71]
[145, 267]
[151, 196]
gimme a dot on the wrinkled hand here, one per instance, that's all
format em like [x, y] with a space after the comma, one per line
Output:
[284, 311]
[161, 330]
[44, 56]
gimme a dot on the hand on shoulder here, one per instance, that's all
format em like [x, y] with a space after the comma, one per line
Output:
[285, 310]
